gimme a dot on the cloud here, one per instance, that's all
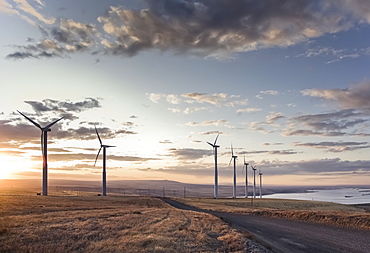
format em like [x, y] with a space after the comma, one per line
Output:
[25, 132]
[270, 92]
[190, 110]
[216, 99]
[213, 28]
[25, 11]
[270, 152]
[19, 133]
[315, 167]
[206, 28]
[269, 144]
[248, 110]
[355, 97]
[211, 133]
[65, 109]
[268, 123]
[66, 37]
[85, 133]
[189, 153]
[335, 147]
[273, 117]
[219, 122]
[339, 123]
[27, 8]
[166, 142]
[71, 157]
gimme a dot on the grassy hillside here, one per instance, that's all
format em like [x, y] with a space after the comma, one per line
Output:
[111, 224]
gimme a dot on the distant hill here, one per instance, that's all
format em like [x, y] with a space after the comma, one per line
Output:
[143, 188]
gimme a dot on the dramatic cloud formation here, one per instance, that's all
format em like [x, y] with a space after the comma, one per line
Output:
[211, 28]
[207, 28]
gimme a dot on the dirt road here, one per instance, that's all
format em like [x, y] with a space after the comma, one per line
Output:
[284, 235]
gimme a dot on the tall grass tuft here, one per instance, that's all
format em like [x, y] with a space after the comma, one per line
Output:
[4, 228]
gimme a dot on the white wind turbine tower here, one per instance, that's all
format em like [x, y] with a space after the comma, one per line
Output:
[246, 178]
[44, 143]
[260, 174]
[254, 180]
[233, 157]
[104, 162]
[215, 146]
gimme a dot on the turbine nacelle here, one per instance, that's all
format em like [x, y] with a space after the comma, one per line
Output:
[107, 146]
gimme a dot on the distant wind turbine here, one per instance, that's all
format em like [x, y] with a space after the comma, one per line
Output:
[246, 178]
[260, 174]
[254, 180]
[104, 162]
[233, 157]
[215, 146]
[44, 143]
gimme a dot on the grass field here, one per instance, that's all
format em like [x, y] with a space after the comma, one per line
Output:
[111, 224]
[315, 211]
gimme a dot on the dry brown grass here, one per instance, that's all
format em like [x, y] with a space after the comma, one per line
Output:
[315, 211]
[111, 224]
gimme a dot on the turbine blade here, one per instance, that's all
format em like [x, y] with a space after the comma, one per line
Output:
[216, 138]
[96, 130]
[244, 159]
[210, 144]
[107, 146]
[97, 156]
[48, 126]
[33, 122]
[232, 151]
[230, 160]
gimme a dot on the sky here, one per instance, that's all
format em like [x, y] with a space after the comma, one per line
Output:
[285, 82]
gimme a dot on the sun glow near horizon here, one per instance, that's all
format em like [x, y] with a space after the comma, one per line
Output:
[11, 165]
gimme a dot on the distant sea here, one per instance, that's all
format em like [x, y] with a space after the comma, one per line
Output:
[341, 196]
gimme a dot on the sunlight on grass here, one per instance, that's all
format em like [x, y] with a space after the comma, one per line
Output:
[112, 224]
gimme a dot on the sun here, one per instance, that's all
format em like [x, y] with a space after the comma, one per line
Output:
[4, 167]
[11, 164]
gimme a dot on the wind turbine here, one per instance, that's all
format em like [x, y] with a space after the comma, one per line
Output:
[260, 174]
[215, 146]
[44, 143]
[233, 157]
[246, 178]
[104, 162]
[254, 180]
